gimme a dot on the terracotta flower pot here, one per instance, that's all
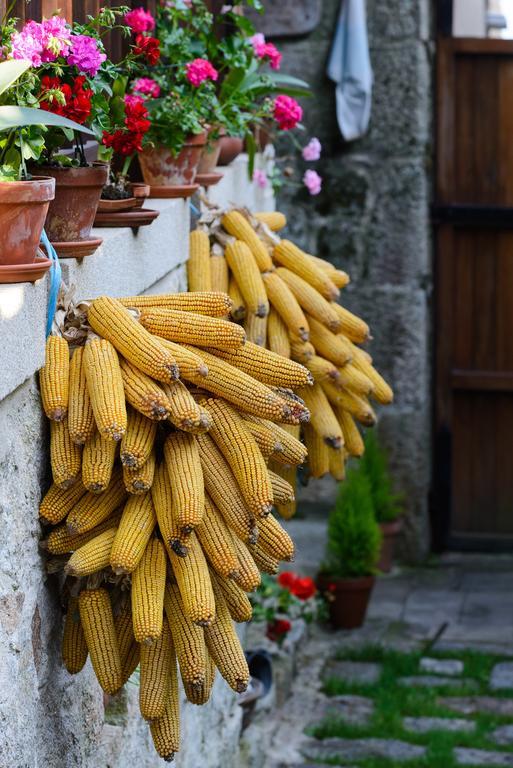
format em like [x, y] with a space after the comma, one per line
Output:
[390, 533]
[161, 168]
[231, 147]
[347, 599]
[77, 194]
[211, 151]
[140, 191]
[23, 209]
[263, 134]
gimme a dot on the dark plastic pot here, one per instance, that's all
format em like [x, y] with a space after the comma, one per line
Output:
[161, 168]
[77, 194]
[348, 599]
[390, 531]
[23, 209]
[231, 147]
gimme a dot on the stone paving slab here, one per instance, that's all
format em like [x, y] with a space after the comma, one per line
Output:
[502, 676]
[441, 666]
[503, 735]
[362, 672]
[470, 705]
[436, 681]
[362, 749]
[356, 710]
[482, 757]
[449, 724]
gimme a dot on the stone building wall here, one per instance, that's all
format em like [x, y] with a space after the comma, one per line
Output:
[372, 219]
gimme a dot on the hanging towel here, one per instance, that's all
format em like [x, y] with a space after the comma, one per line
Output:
[350, 68]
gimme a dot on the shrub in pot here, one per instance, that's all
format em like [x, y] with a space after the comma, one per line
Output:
[387, 505]
[354, 538]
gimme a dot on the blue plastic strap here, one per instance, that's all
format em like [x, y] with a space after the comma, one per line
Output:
[195, 210]
[55, 280]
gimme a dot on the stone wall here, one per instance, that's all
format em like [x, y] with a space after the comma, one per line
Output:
[372, 219]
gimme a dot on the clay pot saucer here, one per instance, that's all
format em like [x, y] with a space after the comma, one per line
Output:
[182, 190]
[109, 206]
[24, 273]
[137, 217]
[77, 249]
[208, 179]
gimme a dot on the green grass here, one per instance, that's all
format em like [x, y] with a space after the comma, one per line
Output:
[393, 702]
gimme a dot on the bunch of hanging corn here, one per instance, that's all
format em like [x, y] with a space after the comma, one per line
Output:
[287, 302]
[168, 436]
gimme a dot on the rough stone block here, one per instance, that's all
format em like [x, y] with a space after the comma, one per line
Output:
[355, 710]
[449, 724]
[360, 672]
[503, 735]
[480, 757]
[469, 705]
[447, 667]
[397, 20]
[502, 676]
[435, 681]
[363, 749]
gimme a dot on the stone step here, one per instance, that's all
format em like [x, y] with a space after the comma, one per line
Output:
[362, 749]
[482, 757]
[502, 676]
[470, 705]
[361, 672]
[448, 667]
[436, 681]
[427, 724]
[503, 735]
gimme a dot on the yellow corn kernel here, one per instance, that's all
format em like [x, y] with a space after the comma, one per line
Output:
[328, 345]
[81, 422]
[188, 639]
[135, 529]
[100, 634]
[337, 276]
[354, 380]
[193, 579]
[165, 731]
[109, 318]
[325, 370]
[382, 391]
[58, 502]
[238, 311]
[65, 456]
[138, 440]
[299, 413]
[198, 265]
[167, 514]
[322, 418]
[156, 662]
[91, 557]
[105, 387]
[357, 406]
[74, 646]
[97, 462]
[224, 646]
[140, 479]
[301, 351]
[265, 438]
[337, 463]
[352, 438]
[241, 389]
[310, 299]
[143, 393]
[60, 541]
[256, 329]
[318, 452]
[286, 305]
[217, 542]
[183, 464]
[277, 334]
[185, 413]
[351, 325]
[222, 487]
[200, 694]
[189, 363]
[283, 492]
[289, 474]
[264, 562]
[291, 450]
[274, 540]
[290, 256]
[248, 576]
[148, 584]
[243, 455]
[266, 366]
[238, 226]
[218, 271]
[93, 509]
[272, 219]
[193, 329]
[54, 378]
[128, 648]
[204, 303]
[236, 599]
[244, 267]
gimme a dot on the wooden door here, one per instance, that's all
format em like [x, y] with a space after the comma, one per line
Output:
[473, 215]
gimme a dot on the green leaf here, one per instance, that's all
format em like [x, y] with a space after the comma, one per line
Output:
[288, 84]
[11, 70]
[16, 117]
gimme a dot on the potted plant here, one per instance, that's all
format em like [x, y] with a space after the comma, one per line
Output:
[387, 505]
[354, 538]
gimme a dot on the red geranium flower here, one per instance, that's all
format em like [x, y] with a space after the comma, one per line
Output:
[136, 114]
[149, 47]
[304, 588]
[77, 98]
[287, 579]
[277, 629]
[125, 143]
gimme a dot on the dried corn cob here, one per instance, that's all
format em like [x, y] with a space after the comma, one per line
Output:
[97, 462]
[237, 226]
[292, 450]
[194, 583]
[224, 491]
[100, 634]
[165, 731]
[201, 694]
[224, 646]
[337, 276]
[286, 305]
[198, 265]
[265, 439]
[357, 406]
[277, 334]
[236, 599]
[65, 456]
[299, 413]
[138, 440]
[109, 318]
[60, 541]
[91, 557]
[274, 540]
[189, 363]
[218, 271]
[288, 473]
[93, 509]
[289, 255]
[311, 300]
[354, 380]
[238, 311]
[143, 393]
[322, 418]
[54, 378]
[334, 348]
[148, 584]
[193, 329]
[140, 479]
[217, 542]
[337, 463]
[185, 413]
[382, 391]
[188, 639]
[266, 366]
[167, 514]
[135, 528]
[248, 576]
[301, 351]
[272, 219]
[318, 452]
[58, 502]
[322, 369]
[242, 454]
[247, 274]
[183, 464]
[156, 663]
[105, 387]
[352, 326]
[81, 422]
[74, 646]
[256, 329]
[128, 647]
[352, 438]
[264, 562]
[283, 492]
[204, 303]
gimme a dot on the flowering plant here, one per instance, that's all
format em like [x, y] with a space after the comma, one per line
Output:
[279, 601]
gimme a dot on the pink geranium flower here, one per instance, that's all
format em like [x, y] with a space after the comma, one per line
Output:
[147, 87]
[313, 182]
[312, 151]
[85, 54]
[199, 70]
[265, 50]
[260, 178]
[139, 20]
[41, 42]
[287, 112]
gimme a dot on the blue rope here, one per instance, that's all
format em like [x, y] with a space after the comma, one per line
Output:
[194, 209]
[55, 280]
